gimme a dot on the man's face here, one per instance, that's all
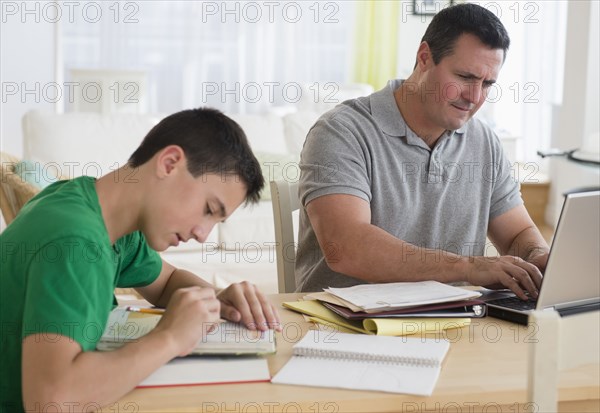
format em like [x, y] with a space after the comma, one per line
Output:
[455, 88]
[188, 208]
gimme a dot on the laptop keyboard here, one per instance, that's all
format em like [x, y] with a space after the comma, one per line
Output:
[515, 303]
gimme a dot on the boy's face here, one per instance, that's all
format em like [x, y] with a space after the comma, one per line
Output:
[458, 85]
[187, 208]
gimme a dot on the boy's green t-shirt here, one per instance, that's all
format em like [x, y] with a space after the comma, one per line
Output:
[59, 272]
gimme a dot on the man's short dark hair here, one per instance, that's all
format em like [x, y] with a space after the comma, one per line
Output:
[467, 18]
[212, 143]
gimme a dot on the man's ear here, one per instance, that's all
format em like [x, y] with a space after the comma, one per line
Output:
[424, 59]
[168, 160]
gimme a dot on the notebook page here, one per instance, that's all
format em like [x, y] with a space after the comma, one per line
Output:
[359, 375]
[342, 361]
[226, 339]
[329, 344]
[234, 338]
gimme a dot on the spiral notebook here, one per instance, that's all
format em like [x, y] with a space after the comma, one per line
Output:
[352, 361]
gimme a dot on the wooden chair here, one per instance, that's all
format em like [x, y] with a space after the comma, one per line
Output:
[14, 191]
[559, 343]
[284, 198]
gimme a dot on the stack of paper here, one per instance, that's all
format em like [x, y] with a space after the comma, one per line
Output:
[372, 298]
[318, 313]
[394, 309]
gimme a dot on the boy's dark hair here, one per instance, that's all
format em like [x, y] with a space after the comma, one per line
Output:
[212, 143]
[467, 18]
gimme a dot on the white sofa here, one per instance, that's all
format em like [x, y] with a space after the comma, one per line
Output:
[242, 248]
[76, 144]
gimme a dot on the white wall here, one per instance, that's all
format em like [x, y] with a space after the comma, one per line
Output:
[592, 118]
[27, 58]
[411, 29]
[26, 63]
[578, 115]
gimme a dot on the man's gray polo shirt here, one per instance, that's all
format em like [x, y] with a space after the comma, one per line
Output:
[441, 198]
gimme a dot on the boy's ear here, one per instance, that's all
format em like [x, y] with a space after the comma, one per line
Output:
[168, 159]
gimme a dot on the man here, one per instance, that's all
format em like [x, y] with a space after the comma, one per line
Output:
[403, 185]
[77, 240]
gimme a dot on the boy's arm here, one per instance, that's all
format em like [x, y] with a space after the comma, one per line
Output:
[160, 291]
[56, 371]
[239, 302]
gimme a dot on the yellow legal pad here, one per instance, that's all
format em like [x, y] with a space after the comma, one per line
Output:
[376, 326]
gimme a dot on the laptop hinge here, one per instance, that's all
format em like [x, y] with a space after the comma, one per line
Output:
[580, 307]
[575, 304]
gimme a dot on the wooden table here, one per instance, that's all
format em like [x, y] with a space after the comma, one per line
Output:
[485, 370]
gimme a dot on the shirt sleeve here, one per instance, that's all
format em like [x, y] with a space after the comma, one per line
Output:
[140, 265]
[333, 161]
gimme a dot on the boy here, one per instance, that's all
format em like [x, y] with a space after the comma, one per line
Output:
[77, 240]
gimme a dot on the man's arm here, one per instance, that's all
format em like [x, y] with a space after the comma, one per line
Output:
[515, 233]
[239, 302]
[353, 246]
[56, 370]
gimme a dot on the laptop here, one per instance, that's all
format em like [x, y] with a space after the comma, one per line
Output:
[571, 283]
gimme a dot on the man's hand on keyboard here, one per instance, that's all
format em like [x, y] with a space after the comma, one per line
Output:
[539, 258]
[506, 272]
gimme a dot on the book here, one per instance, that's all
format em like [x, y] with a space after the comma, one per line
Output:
[349, 361]
[375, 326]
[456, 309]
[227, 338]
[190, 371]
[392, 296]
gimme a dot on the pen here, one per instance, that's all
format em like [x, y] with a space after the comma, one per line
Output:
[158, 311]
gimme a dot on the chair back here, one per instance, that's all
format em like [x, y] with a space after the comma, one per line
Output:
[284, 197]
[14, 191]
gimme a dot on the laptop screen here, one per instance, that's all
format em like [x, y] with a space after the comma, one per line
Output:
[572, 274]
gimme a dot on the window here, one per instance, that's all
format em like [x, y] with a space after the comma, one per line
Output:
[240, 57]
[531, 81]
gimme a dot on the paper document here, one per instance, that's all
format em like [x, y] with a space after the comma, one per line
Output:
[377, 326]
[455, 309]
[388, 296]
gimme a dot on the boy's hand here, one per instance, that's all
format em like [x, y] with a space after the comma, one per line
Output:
[243, 302]
[191, 313]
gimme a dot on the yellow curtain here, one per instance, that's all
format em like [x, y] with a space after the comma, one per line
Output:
[376, 42]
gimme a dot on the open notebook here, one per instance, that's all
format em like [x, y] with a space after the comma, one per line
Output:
[349, 361]
[227, 339]
[222, 346]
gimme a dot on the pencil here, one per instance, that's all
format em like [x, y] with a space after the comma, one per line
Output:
[158, 311]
